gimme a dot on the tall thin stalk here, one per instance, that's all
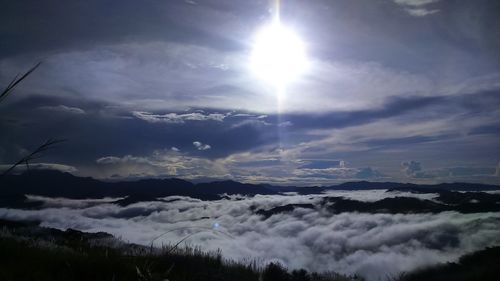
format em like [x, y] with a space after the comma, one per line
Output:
[16, 81]
[37, 153]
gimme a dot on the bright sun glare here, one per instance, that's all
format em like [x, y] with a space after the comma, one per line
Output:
[278, 55]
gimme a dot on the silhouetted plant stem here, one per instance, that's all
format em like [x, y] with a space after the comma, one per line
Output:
[16, 81]
[37, 153]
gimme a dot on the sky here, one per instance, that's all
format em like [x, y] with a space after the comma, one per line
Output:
[395, 90]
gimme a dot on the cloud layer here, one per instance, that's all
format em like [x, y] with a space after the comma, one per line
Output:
[373, 245]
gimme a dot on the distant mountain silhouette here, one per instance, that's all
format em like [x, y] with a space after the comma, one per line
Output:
[52, 183]
[233, 187]
[469, 202]
[425, 188]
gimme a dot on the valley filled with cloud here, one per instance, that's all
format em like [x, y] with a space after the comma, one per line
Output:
[374, 245]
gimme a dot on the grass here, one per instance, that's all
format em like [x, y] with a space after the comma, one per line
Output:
[482, 265]
[23, 260]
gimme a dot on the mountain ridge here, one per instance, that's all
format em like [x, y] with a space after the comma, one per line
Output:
[52, 183]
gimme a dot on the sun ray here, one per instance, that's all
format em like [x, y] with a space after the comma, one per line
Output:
[278, 56]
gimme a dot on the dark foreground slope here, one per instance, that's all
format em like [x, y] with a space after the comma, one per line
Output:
[481, 265]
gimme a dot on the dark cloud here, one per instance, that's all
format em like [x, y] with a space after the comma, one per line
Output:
[335, 169]
[105, 130]
[489, 129]
[32, 26]
[323, 164]
[394, 142]
[129, 79]
[397, 107]
[368, 173]
[412, 169]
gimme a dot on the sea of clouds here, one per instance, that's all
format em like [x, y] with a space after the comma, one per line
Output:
[373, 245]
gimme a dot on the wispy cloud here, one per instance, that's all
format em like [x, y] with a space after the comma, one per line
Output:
[42, 166]
[201, 146]
[161, 163]
[269, 166]
[178, 118]
[418, 8]
[421, 12]
[63, 108]
[415, 3]
[414, 169]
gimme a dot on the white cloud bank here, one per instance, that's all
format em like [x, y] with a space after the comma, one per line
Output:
[373, 245]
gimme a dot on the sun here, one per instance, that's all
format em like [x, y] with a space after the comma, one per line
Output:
[278, 55]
